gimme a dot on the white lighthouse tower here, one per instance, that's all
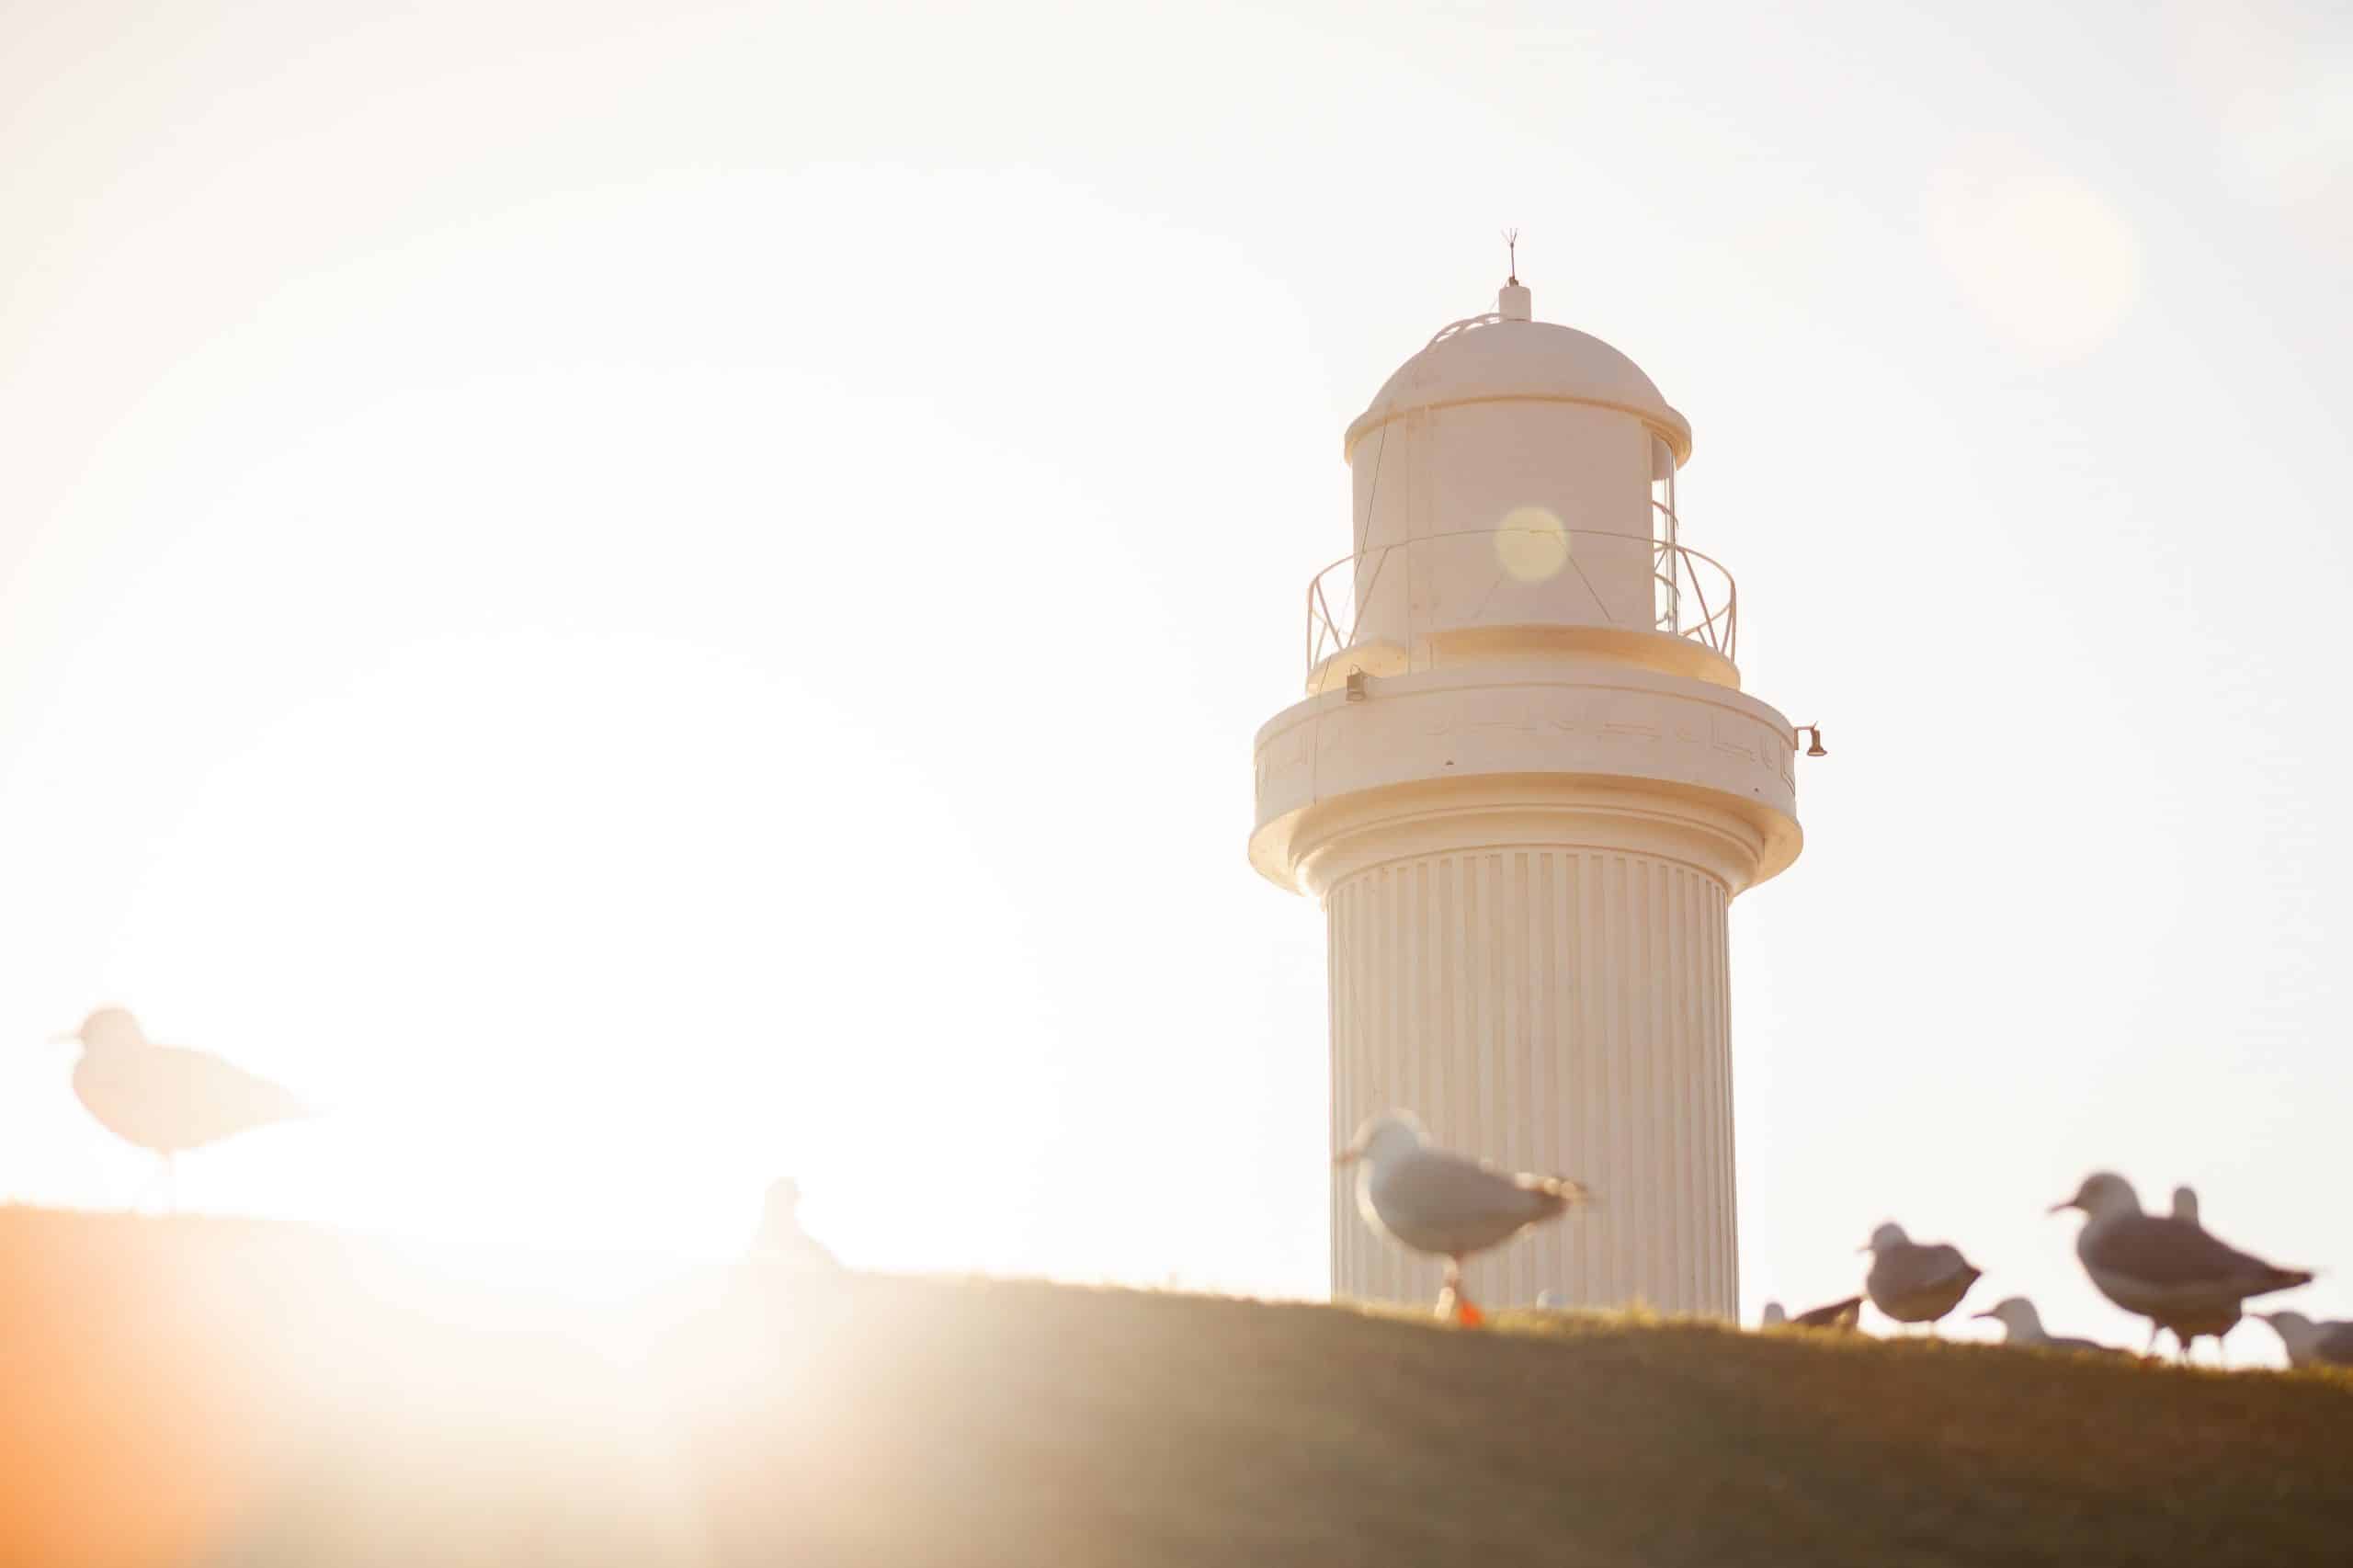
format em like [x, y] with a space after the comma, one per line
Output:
[1526, 786]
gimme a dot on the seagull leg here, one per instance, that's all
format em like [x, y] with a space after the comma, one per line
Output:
[1465, 1313]
[160, 1176]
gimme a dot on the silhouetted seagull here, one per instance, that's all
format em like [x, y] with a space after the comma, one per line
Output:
[1442, 1204]
[1915, 1281]
[781, 1238]
[2176, 1274]
[1843, 1314]
[166, 1098]
[2312, 1343]
[2022, 1324]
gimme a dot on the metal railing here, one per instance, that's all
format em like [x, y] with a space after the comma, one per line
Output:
[1692, 595]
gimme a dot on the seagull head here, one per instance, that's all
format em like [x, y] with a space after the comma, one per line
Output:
[2185, 1204]
[1888, 1235]
[2015, 1313]
[2103, 1193]
[1775, 1317]
[108, 1029]
[1381, 1139]
[2295, 1330]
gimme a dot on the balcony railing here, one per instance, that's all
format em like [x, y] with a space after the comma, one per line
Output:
[1537, 579]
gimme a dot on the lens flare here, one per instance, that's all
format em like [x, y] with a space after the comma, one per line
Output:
[1531, 544]
[2051, 265]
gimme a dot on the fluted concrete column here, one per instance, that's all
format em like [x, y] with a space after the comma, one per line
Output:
[1555, 1008]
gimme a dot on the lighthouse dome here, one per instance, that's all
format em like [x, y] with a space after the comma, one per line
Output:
[1507, 357]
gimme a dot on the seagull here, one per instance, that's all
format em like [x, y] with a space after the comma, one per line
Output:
[1915, 1281]
[1435, 1202]
[2185, 1204]
[2023, 1325]
[1843, 1314]
[165, 1098]
[2178, 1276]
[781, 1238]
[2312, 1343]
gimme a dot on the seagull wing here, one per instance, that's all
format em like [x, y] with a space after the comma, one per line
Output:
[1442, 1203]
[207, 1098]
[1909, 1269]
[1837, 1314]
[2157, 1251]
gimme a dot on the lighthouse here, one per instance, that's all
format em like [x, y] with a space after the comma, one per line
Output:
[1525, 786]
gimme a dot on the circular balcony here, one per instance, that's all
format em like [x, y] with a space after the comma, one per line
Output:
[1514, 592]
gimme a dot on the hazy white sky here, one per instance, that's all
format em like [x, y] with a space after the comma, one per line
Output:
[638, 596]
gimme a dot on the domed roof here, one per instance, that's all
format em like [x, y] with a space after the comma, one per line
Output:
[1494, 356]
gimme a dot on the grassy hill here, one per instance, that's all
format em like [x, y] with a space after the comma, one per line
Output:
[186, 1390]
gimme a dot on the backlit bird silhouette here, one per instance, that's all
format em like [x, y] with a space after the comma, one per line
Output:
[781, 1238]
[165, 1098]
[1838, 1316]
[1915, 1281]
[2170, 1271]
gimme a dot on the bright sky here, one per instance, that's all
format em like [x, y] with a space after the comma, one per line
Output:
[640, 597]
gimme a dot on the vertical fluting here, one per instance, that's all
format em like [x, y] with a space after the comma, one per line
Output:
[1552, 1008]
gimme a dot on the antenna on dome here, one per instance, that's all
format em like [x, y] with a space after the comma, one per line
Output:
[1511, 248]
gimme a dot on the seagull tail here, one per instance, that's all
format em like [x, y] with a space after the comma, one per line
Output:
[1572, 1194]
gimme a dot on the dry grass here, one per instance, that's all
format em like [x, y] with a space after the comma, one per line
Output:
[231, 1394]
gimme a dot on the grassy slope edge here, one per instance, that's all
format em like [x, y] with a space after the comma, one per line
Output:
[265, 1394]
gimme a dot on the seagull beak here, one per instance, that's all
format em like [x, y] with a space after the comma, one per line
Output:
[2061, 1207]
[1981, 1314]
[1863, 1249]
[1346, 1157]
[71, 1037]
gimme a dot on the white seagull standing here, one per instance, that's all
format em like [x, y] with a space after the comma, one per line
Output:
[2021, 1325]
[166, 1098]
[1915, 1281]
[1443, 1204]
[2176, 1275]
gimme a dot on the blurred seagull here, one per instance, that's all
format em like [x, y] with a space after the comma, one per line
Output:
[2176, 1274]
[1915, 1281]
[2022, 1324]
[1843, 1314]
[165, 1098]
[1442, 1204]
[781, 1238]
[2312, 1343]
